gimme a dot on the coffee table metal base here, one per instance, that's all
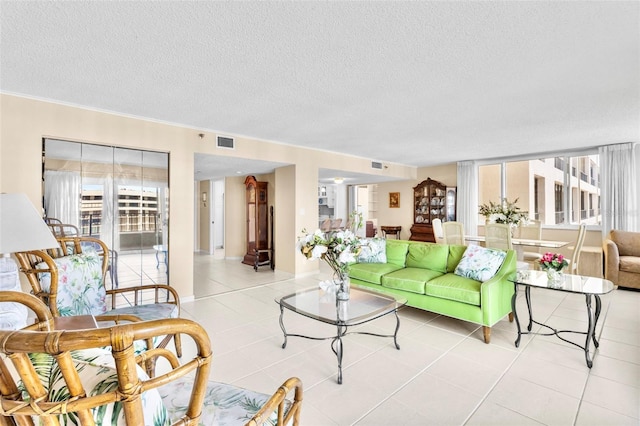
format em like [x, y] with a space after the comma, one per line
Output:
[590, 333]
[336, 341]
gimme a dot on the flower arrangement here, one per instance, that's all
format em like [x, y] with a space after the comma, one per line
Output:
[338, 248]
[505, 212]
[555, 261]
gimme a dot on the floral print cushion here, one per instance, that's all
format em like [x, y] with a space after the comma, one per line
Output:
[80, 285]
[98, 375]
[373, 250]
[479, 263]
[224, 405]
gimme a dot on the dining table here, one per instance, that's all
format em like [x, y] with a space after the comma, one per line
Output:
[520, 243]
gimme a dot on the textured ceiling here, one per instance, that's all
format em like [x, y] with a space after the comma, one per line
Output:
[416, 83]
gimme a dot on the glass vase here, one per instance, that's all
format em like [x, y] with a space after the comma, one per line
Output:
[555, 277]
[343, 285]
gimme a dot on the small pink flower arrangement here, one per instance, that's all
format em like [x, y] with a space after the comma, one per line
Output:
[553, 261]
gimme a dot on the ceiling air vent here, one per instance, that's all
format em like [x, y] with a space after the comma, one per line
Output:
[376, 165]
[226, 142]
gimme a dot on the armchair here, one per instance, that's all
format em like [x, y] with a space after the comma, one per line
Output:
[622, 258]
[70, 281]
[55, 377]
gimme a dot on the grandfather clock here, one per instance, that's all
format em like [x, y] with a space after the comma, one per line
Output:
[257, 222]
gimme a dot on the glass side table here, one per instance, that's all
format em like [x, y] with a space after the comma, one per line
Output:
[588, 286]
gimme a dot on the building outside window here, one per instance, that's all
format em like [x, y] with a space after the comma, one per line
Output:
[562, 190]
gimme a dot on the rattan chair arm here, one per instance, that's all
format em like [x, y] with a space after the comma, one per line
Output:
[137, 291]
[175, 299]
[43, 314]
[276, 402]
[17, 344]
[28, 261]
[151, 354]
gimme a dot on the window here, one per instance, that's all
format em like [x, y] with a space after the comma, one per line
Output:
[562, 190]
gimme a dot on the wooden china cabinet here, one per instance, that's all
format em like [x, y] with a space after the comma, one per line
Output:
[430, 201]
[257, 222]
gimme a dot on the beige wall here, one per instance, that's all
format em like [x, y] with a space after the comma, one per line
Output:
[25, 122]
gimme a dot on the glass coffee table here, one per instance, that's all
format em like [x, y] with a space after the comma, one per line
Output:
[589, 286]
[363, 306]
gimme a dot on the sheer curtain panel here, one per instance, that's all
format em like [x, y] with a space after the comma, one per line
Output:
[468, 196]
[619, 194]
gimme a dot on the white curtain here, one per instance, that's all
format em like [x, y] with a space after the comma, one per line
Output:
[62, 196]
[163, 219]
[619, 195]
[109, 230]
[468, 196]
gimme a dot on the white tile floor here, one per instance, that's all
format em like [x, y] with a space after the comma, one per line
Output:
[443, 374]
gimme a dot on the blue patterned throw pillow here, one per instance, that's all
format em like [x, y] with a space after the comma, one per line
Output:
[373, 250]
[479, 263]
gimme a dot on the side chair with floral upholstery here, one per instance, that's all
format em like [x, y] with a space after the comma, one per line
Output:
[70, 281]
[59, 377]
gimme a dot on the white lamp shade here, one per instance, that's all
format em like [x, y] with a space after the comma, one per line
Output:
[21, 226]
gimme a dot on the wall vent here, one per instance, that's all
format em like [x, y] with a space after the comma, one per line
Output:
[224, 142]
[376, 165]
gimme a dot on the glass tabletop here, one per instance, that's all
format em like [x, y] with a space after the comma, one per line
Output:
[570, 283]
[363, 305]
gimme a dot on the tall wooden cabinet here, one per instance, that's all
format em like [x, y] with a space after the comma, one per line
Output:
[257, 222]
[430, 201]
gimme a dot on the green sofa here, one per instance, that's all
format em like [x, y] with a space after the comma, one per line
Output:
[423, 273]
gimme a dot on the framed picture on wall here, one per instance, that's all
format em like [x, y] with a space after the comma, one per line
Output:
[394, 200]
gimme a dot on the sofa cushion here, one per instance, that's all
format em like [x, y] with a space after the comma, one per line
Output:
[371, 272]
[373, 250]
[397, 253]
[454, 287]
[428, 256]
[456, 252]
[630, 264]
[479, 263]
[224, 405]
[409, 279]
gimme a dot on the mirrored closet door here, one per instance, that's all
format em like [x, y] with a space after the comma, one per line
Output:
[116, 194]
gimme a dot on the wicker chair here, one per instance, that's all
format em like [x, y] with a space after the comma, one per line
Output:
[143, 302]
[88, 385]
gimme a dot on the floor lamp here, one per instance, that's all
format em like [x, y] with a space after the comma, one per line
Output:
[21, 229]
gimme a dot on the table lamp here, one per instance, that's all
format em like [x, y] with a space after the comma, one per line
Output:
[21, 229]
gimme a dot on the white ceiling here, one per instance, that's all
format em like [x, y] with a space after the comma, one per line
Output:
[416, 83]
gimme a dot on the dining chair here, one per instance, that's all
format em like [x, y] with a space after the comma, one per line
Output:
[326, 225]
[577, 249]
[531, 231]
[438, 233]
[453, 232]
[498, 236]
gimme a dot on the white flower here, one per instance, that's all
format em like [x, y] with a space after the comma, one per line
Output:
[338, 249]
[318, 251]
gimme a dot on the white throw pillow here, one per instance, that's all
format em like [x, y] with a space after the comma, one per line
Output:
[480, 263]
[373, 250]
